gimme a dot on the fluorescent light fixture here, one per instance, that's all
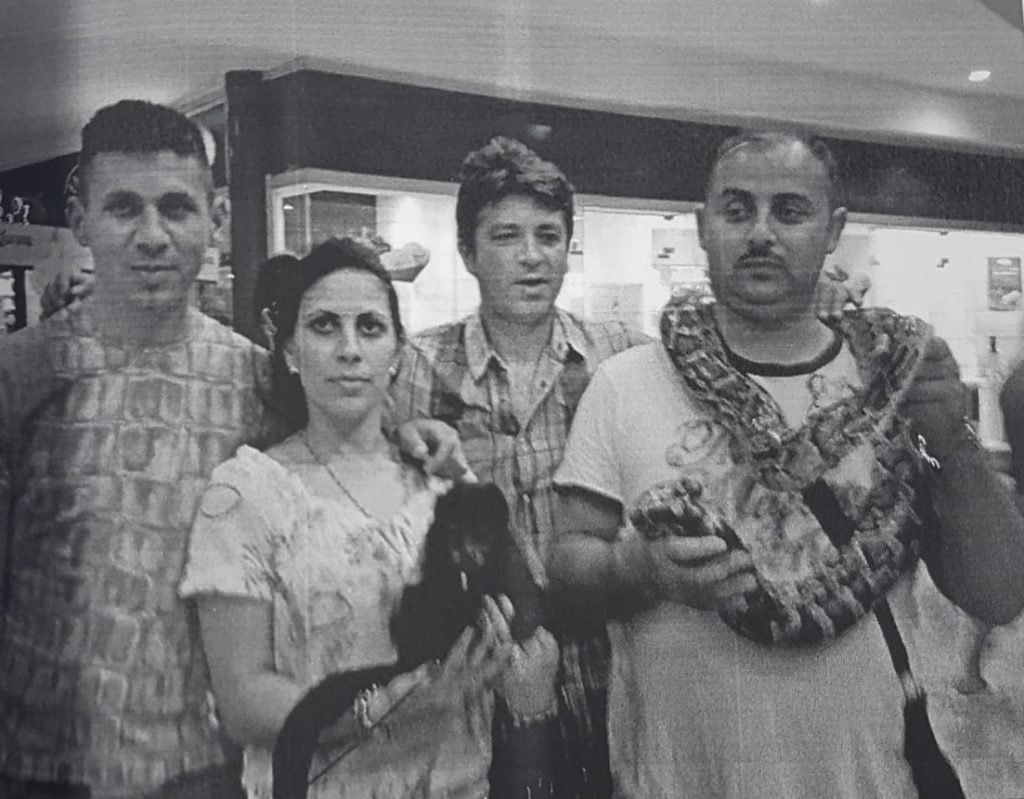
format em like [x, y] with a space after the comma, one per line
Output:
[978, 75]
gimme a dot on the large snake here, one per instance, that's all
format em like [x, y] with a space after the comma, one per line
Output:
[814, 582]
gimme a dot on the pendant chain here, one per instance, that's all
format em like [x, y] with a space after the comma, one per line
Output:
[336, 479]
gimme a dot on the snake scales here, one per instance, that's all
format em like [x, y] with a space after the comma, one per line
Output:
[817, 582]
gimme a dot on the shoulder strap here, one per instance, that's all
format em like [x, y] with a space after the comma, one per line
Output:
[893, 640]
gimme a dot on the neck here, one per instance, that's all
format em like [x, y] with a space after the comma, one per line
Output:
[798, 338]
[518, 340]
[328, 437]
[138, 328]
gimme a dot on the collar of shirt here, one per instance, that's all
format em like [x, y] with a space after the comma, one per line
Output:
[567, 337]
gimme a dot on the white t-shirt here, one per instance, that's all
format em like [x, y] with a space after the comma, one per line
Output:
[696, 710]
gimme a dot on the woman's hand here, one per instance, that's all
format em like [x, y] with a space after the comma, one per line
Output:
[476, 660]
[528, 684]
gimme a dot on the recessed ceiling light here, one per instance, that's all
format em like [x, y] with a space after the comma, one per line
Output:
[978, 75]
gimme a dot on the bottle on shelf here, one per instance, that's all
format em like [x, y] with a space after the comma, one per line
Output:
[990, 416]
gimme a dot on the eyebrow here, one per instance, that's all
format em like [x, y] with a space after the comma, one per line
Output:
[786, 196]
[790, 197]
[120, 195]
[318, 310]
[179, 197]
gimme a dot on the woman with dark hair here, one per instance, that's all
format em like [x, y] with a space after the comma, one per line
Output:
[300, 555]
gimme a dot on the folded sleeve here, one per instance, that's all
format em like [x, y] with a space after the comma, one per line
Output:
[591, 458]
[234, 537]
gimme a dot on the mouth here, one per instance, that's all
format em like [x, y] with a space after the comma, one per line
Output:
[152, 269]
[532, 282]
[761, 263]
[346, 380]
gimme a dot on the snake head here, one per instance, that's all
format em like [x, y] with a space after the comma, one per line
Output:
[674, 508]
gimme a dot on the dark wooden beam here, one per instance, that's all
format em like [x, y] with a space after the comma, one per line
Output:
[248, 143]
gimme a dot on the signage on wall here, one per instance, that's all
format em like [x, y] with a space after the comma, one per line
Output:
[1004, 284]
[26, 244]
[209, 272]
[673, 256]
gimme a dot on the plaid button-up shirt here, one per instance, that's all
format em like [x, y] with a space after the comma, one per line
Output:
[453, 373]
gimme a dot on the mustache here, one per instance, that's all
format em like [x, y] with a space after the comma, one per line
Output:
[757, 256]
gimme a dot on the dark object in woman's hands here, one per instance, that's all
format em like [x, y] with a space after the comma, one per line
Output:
[470, 554]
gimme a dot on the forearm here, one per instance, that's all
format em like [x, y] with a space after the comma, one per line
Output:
[255, 706]
[977, 555]
[600, 565]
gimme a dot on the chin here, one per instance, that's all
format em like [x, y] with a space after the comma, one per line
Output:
[533, 311]
[158, 300]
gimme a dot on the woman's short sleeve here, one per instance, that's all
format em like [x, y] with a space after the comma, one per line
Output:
[231, 547]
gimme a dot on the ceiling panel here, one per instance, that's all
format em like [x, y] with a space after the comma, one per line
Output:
[870, 66]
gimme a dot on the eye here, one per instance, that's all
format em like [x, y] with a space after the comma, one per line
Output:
[505, 236]
[323, 323]
[123, 206]
[550, 238]
[736, 211]
[177, 207]
[371, 325]
[791, 213]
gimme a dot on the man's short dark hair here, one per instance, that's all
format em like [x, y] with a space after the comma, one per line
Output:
[506, 167]
[138, 127]
[768, 138]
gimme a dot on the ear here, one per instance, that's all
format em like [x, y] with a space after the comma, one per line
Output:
[836, 223]
[220, 216]
[268, 327]
[701, 233]
[290, 359]
[74, 210]
[468, 258]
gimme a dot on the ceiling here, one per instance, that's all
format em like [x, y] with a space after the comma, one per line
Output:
[873, 68]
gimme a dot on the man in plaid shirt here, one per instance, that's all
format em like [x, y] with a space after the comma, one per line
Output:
[509, 377]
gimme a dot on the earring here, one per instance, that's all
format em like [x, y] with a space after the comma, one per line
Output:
[393, 371]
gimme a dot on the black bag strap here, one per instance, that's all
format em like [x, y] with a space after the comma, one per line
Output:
[893, 640]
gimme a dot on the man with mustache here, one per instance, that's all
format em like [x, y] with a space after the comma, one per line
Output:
[509, 378]
[695, 708]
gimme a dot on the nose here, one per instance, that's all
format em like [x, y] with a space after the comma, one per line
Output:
[151, 236]
[348, 348]
[530, 252]
[762, 231]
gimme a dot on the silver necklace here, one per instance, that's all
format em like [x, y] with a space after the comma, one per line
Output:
[336, 479]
